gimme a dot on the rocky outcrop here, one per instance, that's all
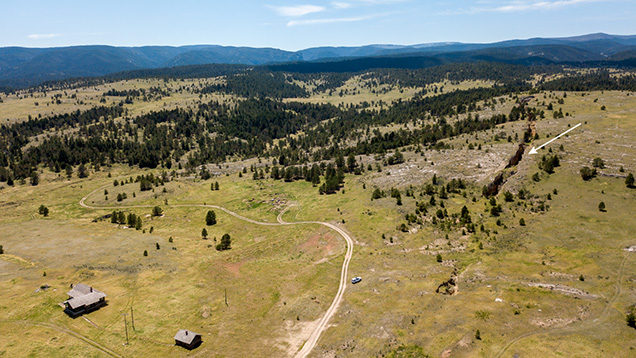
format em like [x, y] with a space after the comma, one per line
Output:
[449, 287]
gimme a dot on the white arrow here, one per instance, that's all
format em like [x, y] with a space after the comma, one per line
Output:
[534, 150]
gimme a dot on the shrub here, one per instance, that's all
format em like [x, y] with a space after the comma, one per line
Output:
[522, 222]
[157, 211]
[407, 351]
[396, 158]
[549, 163]
[377, 194]
[145, 252]
[629, 181]
[225, 244]
[587, 173]
[601, 206]
[508, 196]
[439, 258]
[631, 320]
[598, 163]
[43, 210]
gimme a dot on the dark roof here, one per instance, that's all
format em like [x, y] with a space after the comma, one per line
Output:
[83, 295]
[185, 336]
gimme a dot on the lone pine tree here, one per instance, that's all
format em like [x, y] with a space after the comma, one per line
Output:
[210, 218]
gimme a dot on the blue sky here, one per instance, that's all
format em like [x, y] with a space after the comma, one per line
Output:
[294, 25]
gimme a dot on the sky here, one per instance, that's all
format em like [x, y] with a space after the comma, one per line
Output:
[298, 24]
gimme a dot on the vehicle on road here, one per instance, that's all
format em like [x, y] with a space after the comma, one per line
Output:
[356, 280]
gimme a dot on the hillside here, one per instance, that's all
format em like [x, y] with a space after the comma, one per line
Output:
[240, 203]
[24, 67]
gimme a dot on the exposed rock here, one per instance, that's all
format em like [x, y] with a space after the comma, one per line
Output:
[449, 287]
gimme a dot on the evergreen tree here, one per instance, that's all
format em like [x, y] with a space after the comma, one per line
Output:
[225, 244]
[630, 318]
[210, 218]
[351, 163]
[43, 210]
[35, 178]
[157, 211]
[508, 196]
[598, 163]
[131, 220]
[82, 172]
[204, 233]
[629, 181]
[587, 173]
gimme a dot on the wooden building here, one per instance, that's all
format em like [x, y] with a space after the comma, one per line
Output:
[187, 339]
[83, 299]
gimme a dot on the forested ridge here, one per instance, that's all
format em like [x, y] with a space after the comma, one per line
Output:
[260, 124]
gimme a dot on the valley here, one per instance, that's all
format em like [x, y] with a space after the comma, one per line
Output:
[319, 178]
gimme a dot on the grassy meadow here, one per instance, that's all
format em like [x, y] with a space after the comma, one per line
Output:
[560, 285]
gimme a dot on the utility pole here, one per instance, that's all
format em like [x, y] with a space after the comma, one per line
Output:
[226, 297]
[126, 326]
[132, 318]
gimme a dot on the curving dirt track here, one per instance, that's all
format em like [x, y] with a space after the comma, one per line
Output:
[315, 334]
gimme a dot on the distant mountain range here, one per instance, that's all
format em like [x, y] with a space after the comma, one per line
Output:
[21, 67]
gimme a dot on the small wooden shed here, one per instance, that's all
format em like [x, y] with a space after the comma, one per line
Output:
[187, 339]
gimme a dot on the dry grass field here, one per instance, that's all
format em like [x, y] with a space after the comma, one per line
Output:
[560, 285]
[21, 105]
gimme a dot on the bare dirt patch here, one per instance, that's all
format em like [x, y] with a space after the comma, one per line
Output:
[295, 335]
[320, 245]
[233, 268]
[566, 290]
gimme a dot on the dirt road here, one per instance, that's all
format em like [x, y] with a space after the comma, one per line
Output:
[312, 340]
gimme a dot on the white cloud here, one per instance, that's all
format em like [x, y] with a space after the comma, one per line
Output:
[298, 10]
[341, 5]
[538, 5]
[42, 36]
[382, 2]
[327, 21]
[519, 6]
